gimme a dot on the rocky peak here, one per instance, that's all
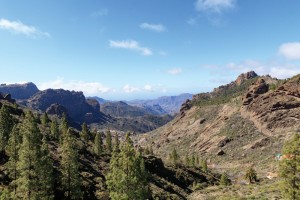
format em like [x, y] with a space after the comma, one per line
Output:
[245, 76]
[19, 91]
[260, 87]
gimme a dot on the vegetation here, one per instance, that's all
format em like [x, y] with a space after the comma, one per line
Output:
[108, 141]
[174, 157]
[290, 168]
[6, 125]
[98, 144]
[127, 178]
[225, 181]
[251, 175]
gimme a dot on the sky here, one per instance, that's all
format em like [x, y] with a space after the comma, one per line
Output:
[143, 49]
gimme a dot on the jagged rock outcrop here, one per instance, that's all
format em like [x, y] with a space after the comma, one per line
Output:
[75, 103]
[19, 91]
[94, 103]
[56, 109]
[245, 76]
[275, 110]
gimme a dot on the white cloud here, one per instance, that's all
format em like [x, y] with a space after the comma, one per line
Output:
[216, 6]
[131, 45]
[153, 27]
[175, 71]
[275, 69]
[100, 13]
[88, 88]
[130, 89]
[18, 27]
[148, 88]
[290, 51]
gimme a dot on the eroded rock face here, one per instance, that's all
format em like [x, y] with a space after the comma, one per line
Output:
[7, 97]
[246, 76]
[275, 109]
[94, 103]
[56, 109]
[74, 102]
[260, 87]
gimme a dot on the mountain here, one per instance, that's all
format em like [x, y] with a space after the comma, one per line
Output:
[75, 103]
[133, 118]
[19, 91]
[163, 105]
[100, 100]
[235, 126]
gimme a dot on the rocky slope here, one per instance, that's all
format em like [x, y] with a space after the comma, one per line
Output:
[235, 126]
[19, 91]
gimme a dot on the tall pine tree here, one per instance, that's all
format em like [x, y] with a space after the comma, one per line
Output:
[70, 168]
[108, 141]
[98, 144]
[116, 143]
[30, 165]
[85, 133]
[290, 168]
[12, 150]
[6, 125]
[127, 178]
[54, 129]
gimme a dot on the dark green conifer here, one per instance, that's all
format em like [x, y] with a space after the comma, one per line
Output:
[85, 133]
[6, 125]
[108, 143]
[98, 144]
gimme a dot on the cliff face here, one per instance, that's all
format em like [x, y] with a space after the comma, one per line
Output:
[75, 103]
[19, 91]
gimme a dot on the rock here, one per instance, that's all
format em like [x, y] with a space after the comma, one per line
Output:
[56, 109]
[260, 87]
[94, 103]
[7, 97]
[246, 76]
[223, 142]
[202, 120]
[19, 91]
[220, 153]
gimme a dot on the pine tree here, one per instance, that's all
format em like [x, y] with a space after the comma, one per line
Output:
[251, 175]
[12, 150]
[30, 165]
[108, 142]
[174, 157]
[63, 127]
[127, 178]
[193, 160]
[69, 168]
[116, 143]
[45, 119]
[98, 144]
[6, 125]
[225, 180]
[54, 129]
[204, 165]
[290, 168]
[47, 182]
[85, 133]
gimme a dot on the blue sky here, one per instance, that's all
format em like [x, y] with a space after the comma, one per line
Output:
[130, 49]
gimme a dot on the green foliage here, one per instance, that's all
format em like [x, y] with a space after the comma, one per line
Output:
[116, 143]
[45, 119]
[187, 160]
[204, 165]
[225, 181]
[70, 168]
[54, 130]
[290, 168]
[98, 144]
[6, 125]
[174, 157]
[64, 126]
[12, 150]
[251, 175]
[127, 178]
[108, 141]
[225, 95]
[31, 165]
[85, 133]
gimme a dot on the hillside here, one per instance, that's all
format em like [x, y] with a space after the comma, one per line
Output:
[237, 125]
[165, 181]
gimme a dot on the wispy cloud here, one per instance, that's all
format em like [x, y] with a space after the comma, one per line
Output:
[100, 13]
[17, 27]
[88, 88]
[290, 51]
[215, 6]
[130, 45]
[148, 88]
[130, 89]
[175, 71]
[153, 27]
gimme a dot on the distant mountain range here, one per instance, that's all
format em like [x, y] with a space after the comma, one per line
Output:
[136, 116]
